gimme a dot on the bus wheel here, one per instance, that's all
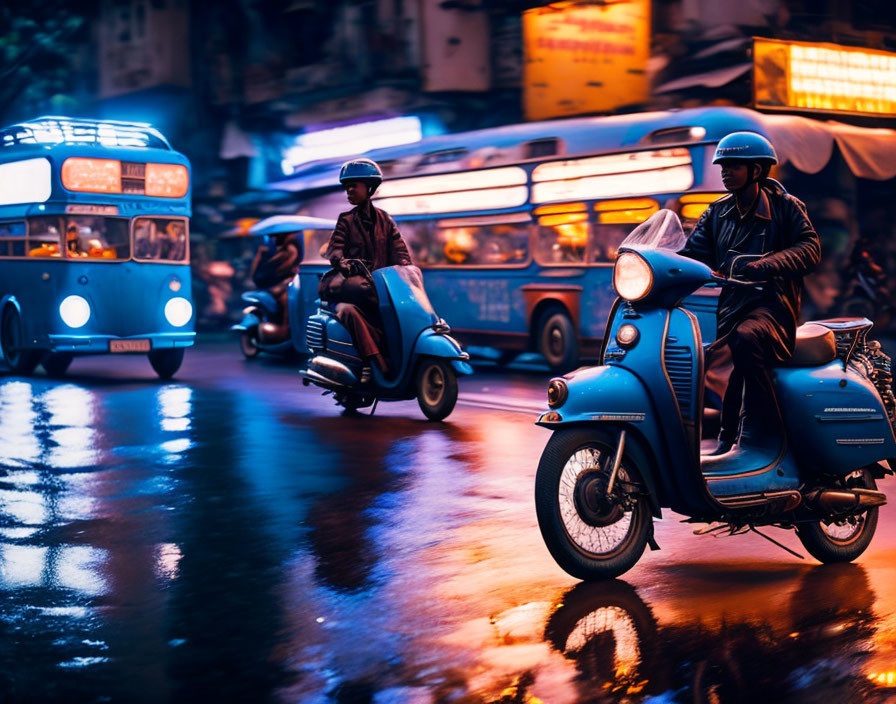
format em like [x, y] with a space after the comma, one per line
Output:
[21, 361]
[56, 364]
[557, 340]
[166, 362]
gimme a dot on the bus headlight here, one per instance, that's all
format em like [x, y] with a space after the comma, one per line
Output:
[178, 311]
[74, 311]
[632, 277]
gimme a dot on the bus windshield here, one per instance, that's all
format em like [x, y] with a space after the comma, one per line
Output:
[81, 236]
[160, 239]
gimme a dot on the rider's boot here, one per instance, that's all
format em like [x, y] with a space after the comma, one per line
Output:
[722, 446]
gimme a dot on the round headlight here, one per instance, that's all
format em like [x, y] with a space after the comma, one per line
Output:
[178, 311]
[632, 277]
[74, 311]
[627, 335]
[557, 393]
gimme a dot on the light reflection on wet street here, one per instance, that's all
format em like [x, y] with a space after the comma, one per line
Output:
[230, 537]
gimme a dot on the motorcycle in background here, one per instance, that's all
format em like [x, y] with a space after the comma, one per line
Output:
[626, 434]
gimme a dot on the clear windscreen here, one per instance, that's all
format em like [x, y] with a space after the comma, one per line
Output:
[413, 277]
[662, 230]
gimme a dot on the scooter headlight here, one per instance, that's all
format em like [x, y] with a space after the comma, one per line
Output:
[74, 311]
[632, 276]
[558, 391]
[178, 311]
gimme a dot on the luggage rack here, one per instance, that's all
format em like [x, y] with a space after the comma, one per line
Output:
[52, 130]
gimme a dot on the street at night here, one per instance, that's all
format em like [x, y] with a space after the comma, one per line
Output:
[230, 536]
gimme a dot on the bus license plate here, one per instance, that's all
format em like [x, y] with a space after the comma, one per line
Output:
[129, 345]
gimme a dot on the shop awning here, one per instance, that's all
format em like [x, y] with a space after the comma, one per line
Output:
[808, 145]
[710, 79]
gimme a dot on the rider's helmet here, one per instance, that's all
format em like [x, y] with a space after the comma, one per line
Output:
[364, 170]
[746, 146]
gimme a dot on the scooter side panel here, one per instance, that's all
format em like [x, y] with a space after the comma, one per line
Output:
[835, 419]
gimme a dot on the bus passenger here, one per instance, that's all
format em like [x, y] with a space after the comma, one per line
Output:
[147, 244]
[174, 246]
[73, 241]
[365, 239]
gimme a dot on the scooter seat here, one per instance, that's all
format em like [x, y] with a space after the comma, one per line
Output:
[815, 345]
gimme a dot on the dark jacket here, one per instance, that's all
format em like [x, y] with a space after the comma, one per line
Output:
[372, 237]
[277, 269]
[777, 228]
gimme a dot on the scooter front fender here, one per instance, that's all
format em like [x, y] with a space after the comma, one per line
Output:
[260, 298]
[437, 344]
[250, 320]
[610, 395]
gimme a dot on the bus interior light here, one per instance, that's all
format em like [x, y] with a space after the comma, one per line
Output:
[74, 311]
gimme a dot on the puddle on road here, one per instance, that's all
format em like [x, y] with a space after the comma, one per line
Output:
[159, 540]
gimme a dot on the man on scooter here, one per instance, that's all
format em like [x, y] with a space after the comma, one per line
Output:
[274, 266]
[757, 233]
[365, 239]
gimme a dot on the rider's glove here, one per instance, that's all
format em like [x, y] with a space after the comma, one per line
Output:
[757, 270]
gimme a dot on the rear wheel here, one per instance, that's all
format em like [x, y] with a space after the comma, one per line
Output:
[249, 343]
[557, 340]
[436, 385]
[56, 364]
[166, 362]
[592, 534]
[843, 539]
[12, 337]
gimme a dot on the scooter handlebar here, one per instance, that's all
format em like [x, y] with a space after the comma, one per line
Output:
[723, 280]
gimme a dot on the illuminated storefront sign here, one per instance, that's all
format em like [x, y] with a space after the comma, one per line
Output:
[585, 59]
[824, 77]
[350, 140]
[614, 175]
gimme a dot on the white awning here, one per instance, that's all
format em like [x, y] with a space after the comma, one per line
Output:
[711, 79]
[808, 145]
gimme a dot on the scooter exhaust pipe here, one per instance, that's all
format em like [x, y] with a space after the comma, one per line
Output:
[329, 372]
[845, 501]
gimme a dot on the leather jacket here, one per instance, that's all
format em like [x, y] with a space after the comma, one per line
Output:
[778, 235]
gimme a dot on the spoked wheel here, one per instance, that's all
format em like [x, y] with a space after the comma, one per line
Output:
[249, 343]
[12, 337]
[166, 362]
[436, 388]
[845, 538]
[592, 534]
[56, 364]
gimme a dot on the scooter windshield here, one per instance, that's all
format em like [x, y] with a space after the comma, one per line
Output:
[662, 230]
[413, 277]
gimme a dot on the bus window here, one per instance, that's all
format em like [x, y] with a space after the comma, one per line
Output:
[418, 238]
[160, 239]
[615, 220]
[97, 237]
[12, 239]
[561, 238]
[605, 241]
[505, 244]
[43, 236]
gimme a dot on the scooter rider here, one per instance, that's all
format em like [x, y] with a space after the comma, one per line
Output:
[273, 270]
[759, 233]
[365, 239]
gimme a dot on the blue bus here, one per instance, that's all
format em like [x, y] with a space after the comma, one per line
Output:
[94, 244]
[516, 227]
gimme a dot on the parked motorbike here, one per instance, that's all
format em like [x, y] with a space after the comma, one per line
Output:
[427, 360]
[627, 434]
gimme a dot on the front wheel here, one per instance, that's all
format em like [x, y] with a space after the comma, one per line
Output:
[166, 362]
[592, 534]
[12, 337]
[557, 341]
[842, 540]
[436, 386]
[249, 343]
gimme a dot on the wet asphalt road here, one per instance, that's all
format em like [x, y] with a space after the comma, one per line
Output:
[230, 537]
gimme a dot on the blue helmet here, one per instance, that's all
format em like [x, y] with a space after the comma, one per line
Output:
[745, 146]
[364, 170]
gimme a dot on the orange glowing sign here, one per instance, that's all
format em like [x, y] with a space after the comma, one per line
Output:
[823, 77]
[91, 175]
[167, 180]
[585, 58]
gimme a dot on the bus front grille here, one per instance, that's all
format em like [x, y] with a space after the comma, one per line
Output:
[680, 368]
[314, 335]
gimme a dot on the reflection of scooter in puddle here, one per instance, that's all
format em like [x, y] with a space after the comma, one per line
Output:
[627, 434]
[725, 654]
[428, 361]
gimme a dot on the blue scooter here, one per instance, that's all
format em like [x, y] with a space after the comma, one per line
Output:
[627, 434]
[427, 359]
[260, 329]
